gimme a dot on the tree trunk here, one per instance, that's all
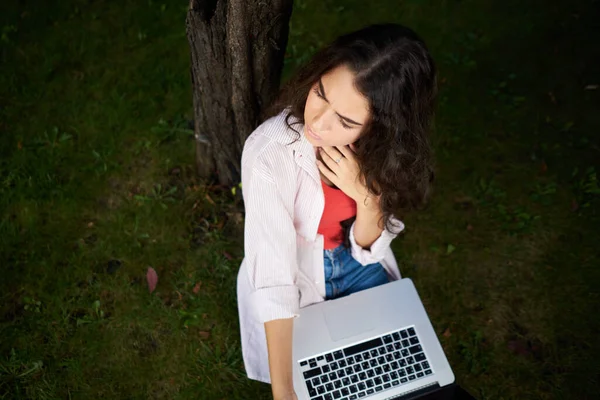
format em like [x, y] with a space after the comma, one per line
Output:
[237, 49]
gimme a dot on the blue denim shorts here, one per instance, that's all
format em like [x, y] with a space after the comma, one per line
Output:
[344, 275]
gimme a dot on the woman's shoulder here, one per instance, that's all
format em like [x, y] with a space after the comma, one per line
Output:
[267, 144]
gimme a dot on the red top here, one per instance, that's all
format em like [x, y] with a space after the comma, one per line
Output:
[338, 207]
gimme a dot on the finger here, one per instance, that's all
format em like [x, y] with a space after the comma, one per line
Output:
[328, 159]
[327, 172]
[347, 152]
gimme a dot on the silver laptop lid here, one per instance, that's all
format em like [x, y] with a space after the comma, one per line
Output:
[375, 344]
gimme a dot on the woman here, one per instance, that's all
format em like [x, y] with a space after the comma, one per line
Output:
[344, 152]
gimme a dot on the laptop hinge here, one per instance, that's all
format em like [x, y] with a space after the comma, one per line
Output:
[416, 393]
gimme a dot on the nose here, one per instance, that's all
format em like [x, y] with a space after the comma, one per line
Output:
[322, 120]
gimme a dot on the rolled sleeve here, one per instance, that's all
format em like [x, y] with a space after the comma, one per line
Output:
[377, 251]
[270, 245]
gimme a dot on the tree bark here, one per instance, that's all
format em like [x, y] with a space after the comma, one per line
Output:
[237, 49]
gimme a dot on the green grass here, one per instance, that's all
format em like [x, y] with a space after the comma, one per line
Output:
[97, 185]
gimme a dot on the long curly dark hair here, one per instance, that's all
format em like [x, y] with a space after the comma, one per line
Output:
[397, 75]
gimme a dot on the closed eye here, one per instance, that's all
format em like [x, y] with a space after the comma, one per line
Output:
[322, 96]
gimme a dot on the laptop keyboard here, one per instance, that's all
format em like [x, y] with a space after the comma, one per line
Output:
[366, 368]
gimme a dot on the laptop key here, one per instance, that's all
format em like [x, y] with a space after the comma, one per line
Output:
[420, 357]
[417, 367]
[312, 392]
[328, 396]
[389, 347]
[397, 355]
[387, 339]
[341, 373]
[333, 366]
[362, 394]
[411, 378]
[404, 334]
[345, 381]
[370, 373]
[405, 343]
[415, 349]
[405, 352]
[381, 350]
[402, 372]
[353, 389]
[396, 382]
[370, 383]
[329, 387]
[332, 376]
[427, 372]
[354, 378]
[315, 382]
[394, 375]
[350, 360]
[373, 362]
[374, 353]
[317, 398]
[365, 365]
[329, 357]
[353, 397]
[420, 374]
[410, 360]
[303, 363]
[362, 376]
[337, 394]
[387, 385]
[397, 345]
[385, 378]
[349, 371]
[338, 354]
[345, 392]
[396, 336]
[425, 364]
[389, 357]
[378, 380]
[403, 363]
[321, 389]
[378, 371]
[357, 368]
[326, 369]
[411, 331]
[394, 365]
[362, 386]
[414, 340]
[370, 391]
[410, 370]
[313, 363]
[403, 380]
[337, 384]
[312, 373]
[320, 358]
[342, 363]
[378, 388]
[381, 360]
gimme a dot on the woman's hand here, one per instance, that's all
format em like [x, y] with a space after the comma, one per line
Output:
[340, 166]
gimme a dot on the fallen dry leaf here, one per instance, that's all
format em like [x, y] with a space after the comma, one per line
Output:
[196, 288]
[447, 333]
[227, 256]
[204, 334]
[152, 279]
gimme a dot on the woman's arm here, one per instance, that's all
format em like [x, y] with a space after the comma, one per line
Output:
[279, 344]
[368, 226]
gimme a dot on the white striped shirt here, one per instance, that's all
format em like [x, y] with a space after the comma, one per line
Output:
[283, 268]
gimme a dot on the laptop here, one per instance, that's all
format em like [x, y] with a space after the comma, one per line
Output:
[375, 344]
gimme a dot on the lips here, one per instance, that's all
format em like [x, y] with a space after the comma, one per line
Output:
[312, 134]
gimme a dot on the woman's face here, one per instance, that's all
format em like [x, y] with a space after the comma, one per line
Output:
[335, 111]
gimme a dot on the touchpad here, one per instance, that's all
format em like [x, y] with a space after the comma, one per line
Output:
[348, 317]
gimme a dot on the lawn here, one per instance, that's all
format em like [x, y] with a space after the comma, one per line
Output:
[97, 186]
